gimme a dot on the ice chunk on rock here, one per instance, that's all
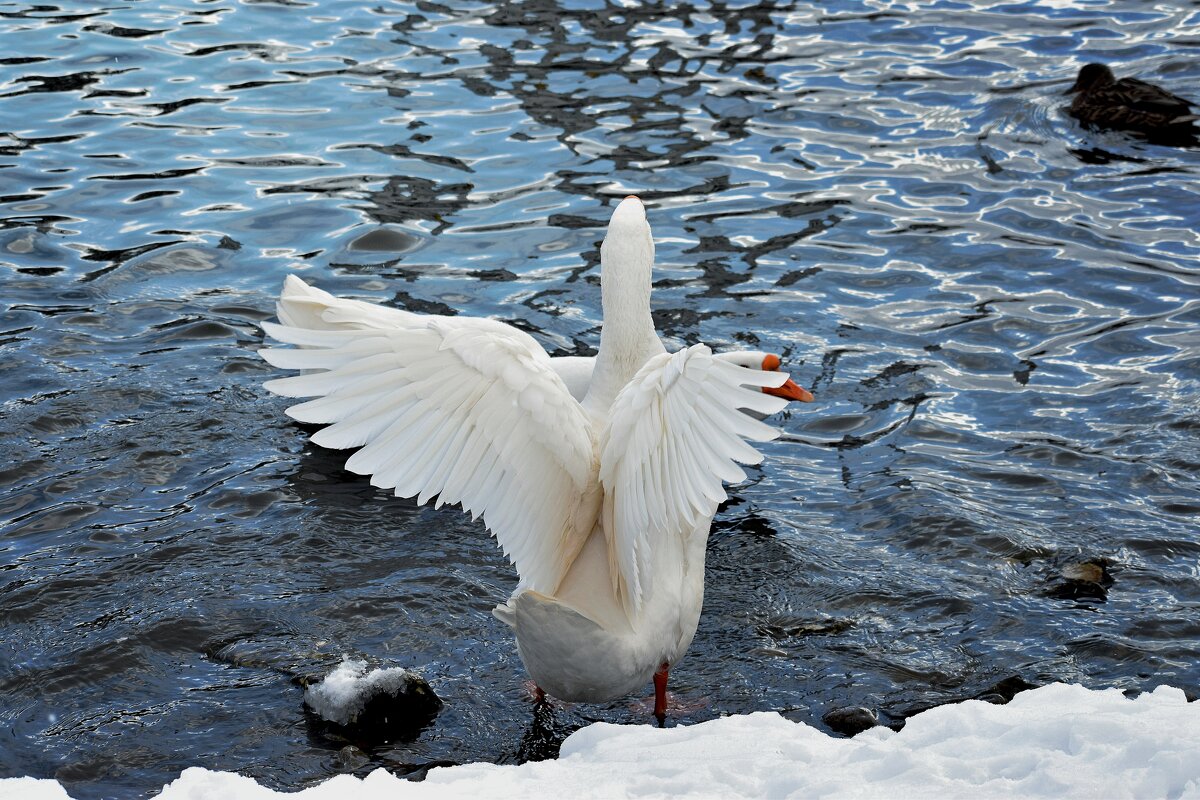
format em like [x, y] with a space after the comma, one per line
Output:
[377, 701]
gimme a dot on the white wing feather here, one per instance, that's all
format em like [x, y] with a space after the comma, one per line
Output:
[466, 409]
[674, 435]
[306, 307]
[303, 309]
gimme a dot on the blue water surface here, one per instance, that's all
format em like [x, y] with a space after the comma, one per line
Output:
[998, 485]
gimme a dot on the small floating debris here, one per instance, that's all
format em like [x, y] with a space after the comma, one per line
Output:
[375, 705]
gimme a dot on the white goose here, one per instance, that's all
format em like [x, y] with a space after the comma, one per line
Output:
[598, 477]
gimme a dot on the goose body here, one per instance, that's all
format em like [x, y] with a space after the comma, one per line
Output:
[599, 476]
[1103, 100]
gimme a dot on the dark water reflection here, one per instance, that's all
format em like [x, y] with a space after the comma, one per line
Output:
[997, 310]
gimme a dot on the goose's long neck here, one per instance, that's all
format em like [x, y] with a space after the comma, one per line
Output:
[627, 338]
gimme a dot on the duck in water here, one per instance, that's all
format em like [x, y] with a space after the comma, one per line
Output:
[1103, 100]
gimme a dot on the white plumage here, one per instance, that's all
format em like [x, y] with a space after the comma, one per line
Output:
[674, 435]
[598, 477]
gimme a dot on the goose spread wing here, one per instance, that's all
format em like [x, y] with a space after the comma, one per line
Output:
[674, 435]
[304, 306]
[463, 408]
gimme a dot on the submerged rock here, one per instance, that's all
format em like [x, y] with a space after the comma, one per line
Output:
[373, 705]
[385, 240]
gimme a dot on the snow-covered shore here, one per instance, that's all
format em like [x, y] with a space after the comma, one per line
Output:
[1058, 741]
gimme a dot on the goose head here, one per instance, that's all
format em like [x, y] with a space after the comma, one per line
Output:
[627, 337]
[626, 264]
[628, 248]
[757, 359]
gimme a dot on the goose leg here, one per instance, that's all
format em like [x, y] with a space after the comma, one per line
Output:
[534, 692]
[660, 694]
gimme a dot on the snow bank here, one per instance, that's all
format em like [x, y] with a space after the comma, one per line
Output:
[1059, 741]
[32, 789]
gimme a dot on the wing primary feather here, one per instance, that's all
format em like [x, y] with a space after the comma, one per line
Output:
[460, 477]
[696, 476]
[449, 453]
[479, 476]
[363, 427]
[424, 460]
[735, 421]
[448, 459]
[384, 456]
[742, 376]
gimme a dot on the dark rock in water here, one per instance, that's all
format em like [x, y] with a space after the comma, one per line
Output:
[352, 757]
[255, 652]
[769, 652]
[1082, 580]
[998, 693]
[419, 772]
[372, 706]
[350, 705]
[1079, 590]
[1005, 690]
[780, 627]
[850, 721]
[1084, 571]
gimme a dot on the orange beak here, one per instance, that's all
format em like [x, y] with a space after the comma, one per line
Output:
[790, 390]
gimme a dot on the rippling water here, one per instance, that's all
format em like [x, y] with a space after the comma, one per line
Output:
[996, 309]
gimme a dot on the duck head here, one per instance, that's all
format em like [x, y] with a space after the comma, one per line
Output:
[1092, 76]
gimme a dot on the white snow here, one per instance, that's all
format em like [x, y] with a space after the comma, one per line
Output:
[32, 789]
[343, 693]
[1058, 741]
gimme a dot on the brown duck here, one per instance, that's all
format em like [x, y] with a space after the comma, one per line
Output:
[1128, 103]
